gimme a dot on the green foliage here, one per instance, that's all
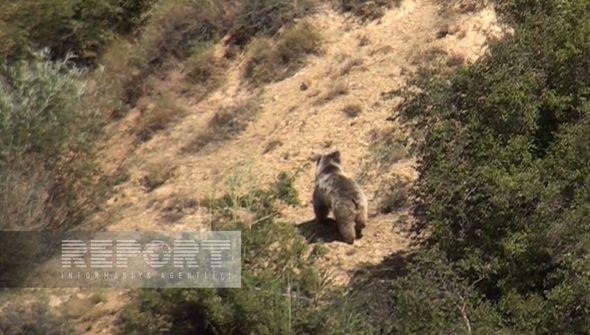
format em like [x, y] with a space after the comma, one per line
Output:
[504, 183]
[82, 27]
[42, 110]
[434, 299]
[281, 291]
[46, 134]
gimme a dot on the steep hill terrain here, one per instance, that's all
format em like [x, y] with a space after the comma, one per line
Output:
[341, 99]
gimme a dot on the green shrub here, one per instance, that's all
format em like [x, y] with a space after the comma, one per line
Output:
[504, 174]
[432, 298]
[47, 130]
[201, 66]
[43, 110]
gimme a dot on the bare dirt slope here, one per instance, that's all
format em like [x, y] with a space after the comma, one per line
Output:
[359, 63]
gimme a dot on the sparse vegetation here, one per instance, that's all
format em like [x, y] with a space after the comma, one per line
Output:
[348, 65]
[281, 291]
[387, 147]
[395, 197]
[33, 318]
[158, 118]
[456, 60]
[270, 146]
[203, 70]
[265, 18]
[178, 206]
[270, 60]
[366, 9]
[225, 124]
[80, 27]
[76, 307]
[156, 174]
[175, 29]
[338, 89]
[285, 189]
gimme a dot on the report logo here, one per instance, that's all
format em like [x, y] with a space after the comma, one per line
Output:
[121, 259]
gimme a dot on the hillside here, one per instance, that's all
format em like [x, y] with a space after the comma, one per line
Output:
[368, 60]
[198, 123]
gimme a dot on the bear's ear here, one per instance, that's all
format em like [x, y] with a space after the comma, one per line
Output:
[336, 156]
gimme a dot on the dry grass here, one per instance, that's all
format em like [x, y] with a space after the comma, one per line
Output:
[33, 317]
[387, 148]
[339, 89]
[261, 63]
[156, 119]
[178, 206]
[203, 72]
[366, 9]
[349, 65]
[225, 124]
[352, 110]
[22, 205]
[456, 60]
[269, 60]
[176, 28]
[202, 67]
[296, 42]
[266, 18]
[429, 56]
[272, 145]
[156, 174]
[395, 197]
[462, 6]
[173, 31]
[76, 307]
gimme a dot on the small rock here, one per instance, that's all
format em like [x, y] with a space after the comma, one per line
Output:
[442, 32]
[304, 85]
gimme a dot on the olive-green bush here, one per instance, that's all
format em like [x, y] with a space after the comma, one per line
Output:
[504, 183]
[47, 131]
